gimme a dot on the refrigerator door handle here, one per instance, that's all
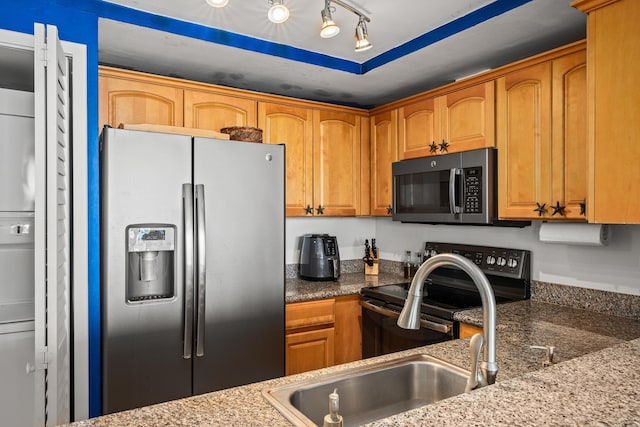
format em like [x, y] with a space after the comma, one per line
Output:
[201, 269]
[187, 204]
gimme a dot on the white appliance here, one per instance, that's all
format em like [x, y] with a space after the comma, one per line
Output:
[192, 265]
[17, 196]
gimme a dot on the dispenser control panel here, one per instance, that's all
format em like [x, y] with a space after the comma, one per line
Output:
[144, 239]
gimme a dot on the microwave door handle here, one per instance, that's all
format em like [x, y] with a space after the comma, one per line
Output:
[452, 190]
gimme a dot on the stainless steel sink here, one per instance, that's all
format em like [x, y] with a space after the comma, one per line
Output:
[370, 392]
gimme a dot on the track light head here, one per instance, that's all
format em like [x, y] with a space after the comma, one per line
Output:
[362, 43]
[329, 28]
[278, 13]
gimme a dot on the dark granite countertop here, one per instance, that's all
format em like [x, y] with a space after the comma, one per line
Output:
[596, 381]
[298, 290]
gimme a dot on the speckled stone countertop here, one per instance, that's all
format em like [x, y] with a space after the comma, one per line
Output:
[298, 290]
[596, 382]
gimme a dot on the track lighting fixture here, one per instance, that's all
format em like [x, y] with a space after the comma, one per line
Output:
[278, 13]
[330, 29]
[217, 3]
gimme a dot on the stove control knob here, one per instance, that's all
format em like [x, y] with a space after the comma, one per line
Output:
[512, 263]
[491, 260]
[501, 261]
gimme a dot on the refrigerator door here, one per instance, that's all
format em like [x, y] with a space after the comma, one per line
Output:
[244, 209]
[143, 321]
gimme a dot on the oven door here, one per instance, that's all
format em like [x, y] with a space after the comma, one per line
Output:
[381, 334]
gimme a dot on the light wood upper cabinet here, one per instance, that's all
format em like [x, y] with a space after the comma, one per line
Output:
[613, 62]
[541, 140]
[336, 163]
[384, 151]
[569, 135]
[124, 101]
[468, 118]
[462, 120]
[208, 110]
[292, 126]
[418, 128]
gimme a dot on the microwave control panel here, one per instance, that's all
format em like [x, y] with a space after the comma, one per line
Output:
[472, 200]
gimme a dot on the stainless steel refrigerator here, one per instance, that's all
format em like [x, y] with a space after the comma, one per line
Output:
[192, 259]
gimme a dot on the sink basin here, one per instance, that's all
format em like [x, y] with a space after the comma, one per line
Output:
[371, 392]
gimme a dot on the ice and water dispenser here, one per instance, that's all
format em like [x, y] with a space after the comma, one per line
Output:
[151, 261]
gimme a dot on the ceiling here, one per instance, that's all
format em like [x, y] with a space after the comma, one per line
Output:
[417, 45]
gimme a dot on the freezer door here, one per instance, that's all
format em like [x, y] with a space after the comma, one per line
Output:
[244, 296]
[142, 330]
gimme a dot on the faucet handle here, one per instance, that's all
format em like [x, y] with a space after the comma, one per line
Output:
[476, 378]
[550, 352]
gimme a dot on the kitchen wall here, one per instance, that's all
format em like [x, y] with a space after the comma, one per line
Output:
[615, 267]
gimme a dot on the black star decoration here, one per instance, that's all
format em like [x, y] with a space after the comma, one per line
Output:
[583, 207]
[433, 147]
[557, 209]
[541, 208]
[309, 210]
[320, 210]
[444, 145]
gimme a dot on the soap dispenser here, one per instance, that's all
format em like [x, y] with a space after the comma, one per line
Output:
[333, 419]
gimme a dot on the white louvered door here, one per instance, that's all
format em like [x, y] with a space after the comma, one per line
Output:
[52, 228]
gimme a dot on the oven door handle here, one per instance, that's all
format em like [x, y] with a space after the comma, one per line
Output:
[427, 324]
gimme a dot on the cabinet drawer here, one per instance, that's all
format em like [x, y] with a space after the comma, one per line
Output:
[310, 313]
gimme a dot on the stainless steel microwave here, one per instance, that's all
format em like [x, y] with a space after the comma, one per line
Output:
[457, 188]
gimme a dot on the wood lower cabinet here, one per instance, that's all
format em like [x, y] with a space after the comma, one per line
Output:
[613, 63]
[309, 350]
[127, 100]
[467, 330]
[322, 333]
[384, 151]
[541, 117]
[348, 329]
[214, 111]
[458, 121]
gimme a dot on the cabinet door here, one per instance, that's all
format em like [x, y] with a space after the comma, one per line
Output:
[524, 141]
[292, 126]
[309, 350]
[468, 118]
[614, 110]
[336, 163]
[418, 128]
[384, 151]
[123, 101]
[208, 110]
[348, 329]
[569, 136]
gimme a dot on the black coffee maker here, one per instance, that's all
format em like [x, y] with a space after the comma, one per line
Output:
[319, 257]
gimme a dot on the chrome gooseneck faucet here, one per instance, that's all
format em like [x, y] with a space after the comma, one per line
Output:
[410, 315]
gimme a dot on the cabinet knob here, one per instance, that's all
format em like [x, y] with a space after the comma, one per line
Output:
[308, 210]
[389, 210]
[583, 207]
[557, 209]
[433, 147]
[541, 209]
[320, 210]
[444, 146]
